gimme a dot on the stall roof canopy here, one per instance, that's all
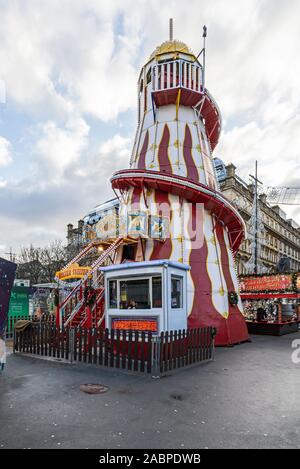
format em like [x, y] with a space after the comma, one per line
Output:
[45, 285]
[135, 265]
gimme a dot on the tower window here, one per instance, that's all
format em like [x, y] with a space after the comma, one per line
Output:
[148, 76]
[141, 85]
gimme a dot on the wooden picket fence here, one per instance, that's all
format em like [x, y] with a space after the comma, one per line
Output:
[126, 350]
[11, 321]
[179, 349]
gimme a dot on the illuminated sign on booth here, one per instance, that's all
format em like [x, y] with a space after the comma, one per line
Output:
[135, 324]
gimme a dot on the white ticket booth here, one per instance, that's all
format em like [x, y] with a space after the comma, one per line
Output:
[146, 296]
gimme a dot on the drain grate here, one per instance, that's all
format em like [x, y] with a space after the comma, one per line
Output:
[177, 397]
[90, 388]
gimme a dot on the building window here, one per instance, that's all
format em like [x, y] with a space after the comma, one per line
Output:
[176, 291]
[156, 292]
[134, 294]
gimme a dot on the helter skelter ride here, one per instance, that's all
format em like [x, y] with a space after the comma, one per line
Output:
[165, 246]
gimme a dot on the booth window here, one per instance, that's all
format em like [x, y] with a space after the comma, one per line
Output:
[134, 294]
[156, 292]
[113, 294]
[176, 291]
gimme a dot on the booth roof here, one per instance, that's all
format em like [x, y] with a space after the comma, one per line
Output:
[135, 265]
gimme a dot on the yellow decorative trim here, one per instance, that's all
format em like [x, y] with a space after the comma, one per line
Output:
[178, 102]
[74, 271]
[221, 291]
[212, 240]
[176, 144]
[198, 148]
[180, 260]
[172, 47]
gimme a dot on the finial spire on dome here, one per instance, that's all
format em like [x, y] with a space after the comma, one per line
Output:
[171, 29]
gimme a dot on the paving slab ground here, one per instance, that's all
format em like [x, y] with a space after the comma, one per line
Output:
[248, 398]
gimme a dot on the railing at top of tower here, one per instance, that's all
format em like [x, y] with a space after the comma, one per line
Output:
[177, 74]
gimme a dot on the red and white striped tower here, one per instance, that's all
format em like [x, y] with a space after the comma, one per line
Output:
[171, 169]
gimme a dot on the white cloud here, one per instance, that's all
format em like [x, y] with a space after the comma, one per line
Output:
[59, 147]
[70, 66]
[277, 151]
[5, 152]
[118, 148]
[39, 210]
[67, 55]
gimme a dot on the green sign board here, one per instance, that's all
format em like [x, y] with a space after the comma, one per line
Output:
[19, 302]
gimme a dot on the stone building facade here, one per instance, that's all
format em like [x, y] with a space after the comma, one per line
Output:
[74, 237]
[282, 235]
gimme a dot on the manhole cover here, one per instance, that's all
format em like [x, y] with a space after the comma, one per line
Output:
[93, 388]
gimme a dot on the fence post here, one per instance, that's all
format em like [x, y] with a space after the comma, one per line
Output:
[14, 341]
[71, 344]
[213, 333]
[155, 360]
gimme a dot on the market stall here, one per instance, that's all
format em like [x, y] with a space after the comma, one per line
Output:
[271, 303]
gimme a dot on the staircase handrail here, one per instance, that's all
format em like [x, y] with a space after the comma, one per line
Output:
[94, 267]
[81, 254]
[74, 312]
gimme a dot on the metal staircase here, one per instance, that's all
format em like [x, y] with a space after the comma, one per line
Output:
[84, 306]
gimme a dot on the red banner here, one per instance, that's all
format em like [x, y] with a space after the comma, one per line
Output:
[267, 283]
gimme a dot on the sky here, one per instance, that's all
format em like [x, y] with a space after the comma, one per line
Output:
[68, 96]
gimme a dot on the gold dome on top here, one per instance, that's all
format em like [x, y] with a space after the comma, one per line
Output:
[168, 47]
